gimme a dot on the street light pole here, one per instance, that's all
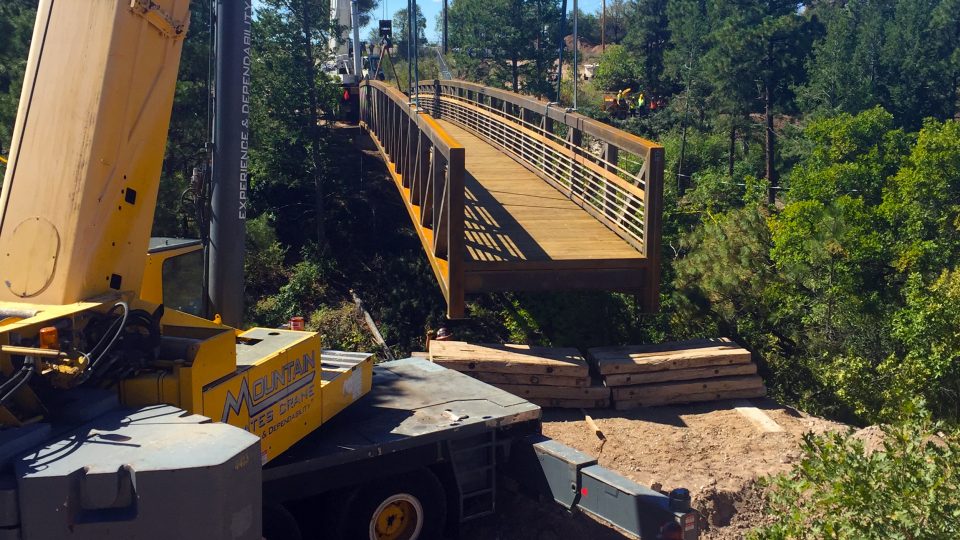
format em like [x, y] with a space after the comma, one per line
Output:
[576, 51]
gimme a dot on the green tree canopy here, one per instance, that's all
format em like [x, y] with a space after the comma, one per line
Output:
[401, 29]
[618, 69]
[16, 27]
[505, 41]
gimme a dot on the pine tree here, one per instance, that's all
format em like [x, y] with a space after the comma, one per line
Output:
[756, 51]
[647, 37]
[16, 26]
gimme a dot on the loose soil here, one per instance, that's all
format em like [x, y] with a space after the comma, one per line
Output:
[711, 449]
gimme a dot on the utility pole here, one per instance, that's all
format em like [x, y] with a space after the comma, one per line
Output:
[415, 60]
[445, 6]
[410, 16]
[603, 27]
[357, 49]
[563, 37]
[576, 51]
[413, 50]
[683, 138]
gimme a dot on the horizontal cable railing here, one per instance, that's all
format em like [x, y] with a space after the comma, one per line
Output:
[428, 167]
[615, 176]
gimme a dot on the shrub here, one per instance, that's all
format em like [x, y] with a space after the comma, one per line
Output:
[907, 489]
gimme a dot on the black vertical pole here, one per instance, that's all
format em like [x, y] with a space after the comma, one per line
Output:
[445, 50]
[416, 50]
[410, 16]
[231, 145]
[563, 35]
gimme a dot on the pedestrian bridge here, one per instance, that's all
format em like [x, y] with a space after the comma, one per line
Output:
[509, 193]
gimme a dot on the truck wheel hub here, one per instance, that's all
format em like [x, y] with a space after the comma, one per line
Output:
[399, 517]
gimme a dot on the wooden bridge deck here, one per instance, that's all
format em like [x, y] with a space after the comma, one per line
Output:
[508, 193]
[523, 234]
[511, 214]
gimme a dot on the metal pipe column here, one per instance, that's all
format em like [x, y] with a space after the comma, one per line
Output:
[563, 37]
[576, 51]
[231, 145]
[357, 49]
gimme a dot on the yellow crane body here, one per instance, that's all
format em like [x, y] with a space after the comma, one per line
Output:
[80, 303]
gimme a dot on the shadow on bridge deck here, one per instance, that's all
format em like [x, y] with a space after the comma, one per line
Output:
[521, 233]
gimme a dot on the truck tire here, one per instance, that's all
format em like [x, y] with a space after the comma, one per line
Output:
[410, 506]
[279, 524]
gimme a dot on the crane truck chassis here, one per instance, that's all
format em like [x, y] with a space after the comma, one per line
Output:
[124, 418]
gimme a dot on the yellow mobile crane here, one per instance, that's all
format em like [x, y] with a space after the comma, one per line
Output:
[121, 417]
[77, 207]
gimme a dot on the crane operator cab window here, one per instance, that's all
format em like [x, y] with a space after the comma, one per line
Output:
[174, 275]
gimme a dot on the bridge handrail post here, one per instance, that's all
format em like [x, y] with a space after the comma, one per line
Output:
[575, 140]
[652, 223]
[611, 157]
[436, 98]
[455, 230]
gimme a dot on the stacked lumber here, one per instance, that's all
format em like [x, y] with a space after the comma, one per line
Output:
[678, 372]
[546, 376]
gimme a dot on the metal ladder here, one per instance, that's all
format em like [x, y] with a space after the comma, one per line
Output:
[474, 461]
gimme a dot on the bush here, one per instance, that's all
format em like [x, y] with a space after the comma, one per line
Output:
[341, 328]
[301, 294]
[907, 489]
[617, 69]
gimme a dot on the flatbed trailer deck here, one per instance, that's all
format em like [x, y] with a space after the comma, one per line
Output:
[413, 403]
[420, 416]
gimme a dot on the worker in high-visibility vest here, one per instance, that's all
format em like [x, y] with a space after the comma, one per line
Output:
[640, 101]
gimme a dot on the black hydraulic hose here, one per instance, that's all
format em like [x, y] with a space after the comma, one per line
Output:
[12, 381]
[93, 354]
[27, 371]
[122, 324]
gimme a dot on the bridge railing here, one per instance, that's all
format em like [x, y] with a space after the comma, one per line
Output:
[615, 176]
[427, 165]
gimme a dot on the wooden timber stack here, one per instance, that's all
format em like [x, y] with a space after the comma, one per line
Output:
[678, 372]
[546, 376]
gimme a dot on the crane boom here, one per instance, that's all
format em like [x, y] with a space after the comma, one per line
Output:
[80, 189]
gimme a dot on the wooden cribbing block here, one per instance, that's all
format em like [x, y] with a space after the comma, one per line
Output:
[625, 379]
[668, 396]
[691, 398]
[571, 403]
[757, 417]
[668, 390]
[469, 357]
[531, 391]
[668, 356]
[529, 378]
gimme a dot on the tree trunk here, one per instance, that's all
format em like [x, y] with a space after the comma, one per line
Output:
[733, 146]
[313, 129]
[516, 74]
[537, 45]
[771, 142]
[952, 113]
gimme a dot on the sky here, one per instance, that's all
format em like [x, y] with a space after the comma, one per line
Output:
[431, 10]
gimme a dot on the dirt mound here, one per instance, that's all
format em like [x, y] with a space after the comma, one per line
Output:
[713, 449]
[730, 515]
[872, 438]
